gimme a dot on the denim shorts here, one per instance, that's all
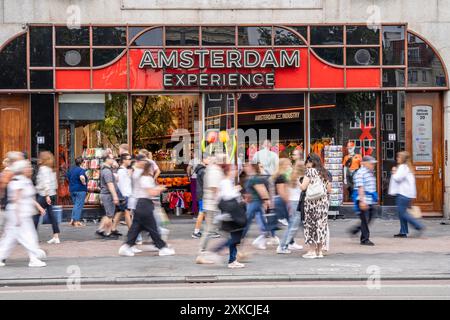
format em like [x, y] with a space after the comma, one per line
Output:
[108, 204]
[123, 205]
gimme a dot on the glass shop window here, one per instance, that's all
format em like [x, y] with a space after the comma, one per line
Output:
[277, 117]
[392, 136]
[153, 37]
[422, 58]
[72, 37]
[182, 36]
[13, 64]
[255, 36]
[218, 36]
[324, 35]
[336, 137]
[332, 55]
[393, 45]
[41, 46]
[285, 37]
[362, 35]
[109, 36]
[89, 125]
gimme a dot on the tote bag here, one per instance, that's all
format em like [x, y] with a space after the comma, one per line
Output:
[315, 190]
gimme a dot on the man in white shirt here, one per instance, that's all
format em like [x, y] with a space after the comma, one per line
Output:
[267, 158]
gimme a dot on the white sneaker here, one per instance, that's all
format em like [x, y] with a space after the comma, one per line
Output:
[280, 250]
[2, 264]
[36, 263]
[54, 241]
[274, 241]
[42, 254]
[283, 222]
[201, 259]
[260, 243]
[136, 250]
[236, 265]
[295, 246]
[166, 252]
[139, 239]
[126, 251]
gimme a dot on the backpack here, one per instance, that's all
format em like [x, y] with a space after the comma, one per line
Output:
[315, 190]
[200, 172]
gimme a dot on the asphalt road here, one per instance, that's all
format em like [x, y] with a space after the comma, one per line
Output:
[435, 290]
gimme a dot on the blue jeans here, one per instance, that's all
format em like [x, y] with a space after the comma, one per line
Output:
[281, 208]
[294, 223]
[231, 243]
[254, 208]
[78, 199]
[404, 203]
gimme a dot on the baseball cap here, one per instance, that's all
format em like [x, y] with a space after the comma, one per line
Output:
[369, 159]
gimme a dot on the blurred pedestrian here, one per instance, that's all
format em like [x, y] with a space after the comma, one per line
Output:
[233, 216]
[366, 196]
[256, 187]
[20, 209]
[199, 172]
[403, 186]
[46, 187]
[78, 188]
[143, 218]
[316, 185]
[267, 158]
[211, 188]
[296, 203]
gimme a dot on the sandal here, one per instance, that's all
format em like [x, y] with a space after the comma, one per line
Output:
[78, 224]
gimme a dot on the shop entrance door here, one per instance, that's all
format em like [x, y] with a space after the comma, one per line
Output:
[14, 124]
[424, 142]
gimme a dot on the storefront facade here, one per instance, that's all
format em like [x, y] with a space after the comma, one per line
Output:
[330, 88]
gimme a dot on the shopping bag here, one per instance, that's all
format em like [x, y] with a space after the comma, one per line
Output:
[415, 212]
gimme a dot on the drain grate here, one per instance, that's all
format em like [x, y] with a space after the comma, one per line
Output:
[201, 279]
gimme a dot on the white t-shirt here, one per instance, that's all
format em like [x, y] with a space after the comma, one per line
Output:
[227, 191]
[213, 176]
[403, 182]
[46, 183]
[27, 196]
[268, 159]
[294, 193]
[145, 183]
[124, 182]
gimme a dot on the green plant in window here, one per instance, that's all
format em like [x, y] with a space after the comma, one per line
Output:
[152, 118]
[114, 127]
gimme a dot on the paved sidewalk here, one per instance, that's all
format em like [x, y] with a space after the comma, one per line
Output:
[97, 260]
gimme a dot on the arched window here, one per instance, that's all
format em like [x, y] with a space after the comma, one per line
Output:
[13, 64]
[425, 69]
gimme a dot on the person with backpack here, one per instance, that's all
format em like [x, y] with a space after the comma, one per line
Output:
[199, 172]
[317, 186]
[403, 187]
[233, 218]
